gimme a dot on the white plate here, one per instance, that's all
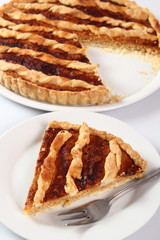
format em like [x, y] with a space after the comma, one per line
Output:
[19, 148]
[129, 77]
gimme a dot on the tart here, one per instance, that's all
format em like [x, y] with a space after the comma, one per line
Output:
[76, 161]
[41, 53]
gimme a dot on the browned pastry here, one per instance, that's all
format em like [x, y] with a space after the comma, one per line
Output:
[76, 161]
[41, 56]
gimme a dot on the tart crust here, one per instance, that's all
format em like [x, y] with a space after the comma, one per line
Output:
[115, 166]
[94, 95]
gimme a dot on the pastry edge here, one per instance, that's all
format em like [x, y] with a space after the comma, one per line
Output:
[68, 200]
[97, 95]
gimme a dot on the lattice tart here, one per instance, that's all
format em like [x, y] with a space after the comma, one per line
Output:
[75, 161]
[41, 56]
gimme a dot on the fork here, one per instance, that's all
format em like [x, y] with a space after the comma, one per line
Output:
[98, 209]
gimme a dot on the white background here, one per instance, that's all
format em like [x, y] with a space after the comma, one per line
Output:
[144, 116]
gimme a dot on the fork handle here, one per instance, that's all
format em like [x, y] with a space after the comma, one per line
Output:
[153, 176]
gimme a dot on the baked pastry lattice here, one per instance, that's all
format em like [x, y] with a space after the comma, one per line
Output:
[76, 161]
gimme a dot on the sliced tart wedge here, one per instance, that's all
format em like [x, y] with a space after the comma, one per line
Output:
[76, 161]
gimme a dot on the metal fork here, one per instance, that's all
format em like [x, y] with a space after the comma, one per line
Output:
[98, 209]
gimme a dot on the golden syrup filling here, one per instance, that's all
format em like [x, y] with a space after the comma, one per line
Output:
[58, 53]
[50, 69]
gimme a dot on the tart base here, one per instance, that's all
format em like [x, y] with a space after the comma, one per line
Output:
[96, 95]
[67, 200]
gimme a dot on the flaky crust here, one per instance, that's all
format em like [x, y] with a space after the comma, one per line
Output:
[112, 166]
[95, 95]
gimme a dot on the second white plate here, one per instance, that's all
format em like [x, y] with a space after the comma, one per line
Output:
[19, 149]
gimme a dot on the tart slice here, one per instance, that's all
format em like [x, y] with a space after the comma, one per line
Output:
[76, 161]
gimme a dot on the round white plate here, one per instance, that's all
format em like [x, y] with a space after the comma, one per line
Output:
[131, 78]
[19, 148]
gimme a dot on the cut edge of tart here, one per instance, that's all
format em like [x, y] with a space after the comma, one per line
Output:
[77, 161]
[86, 93]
